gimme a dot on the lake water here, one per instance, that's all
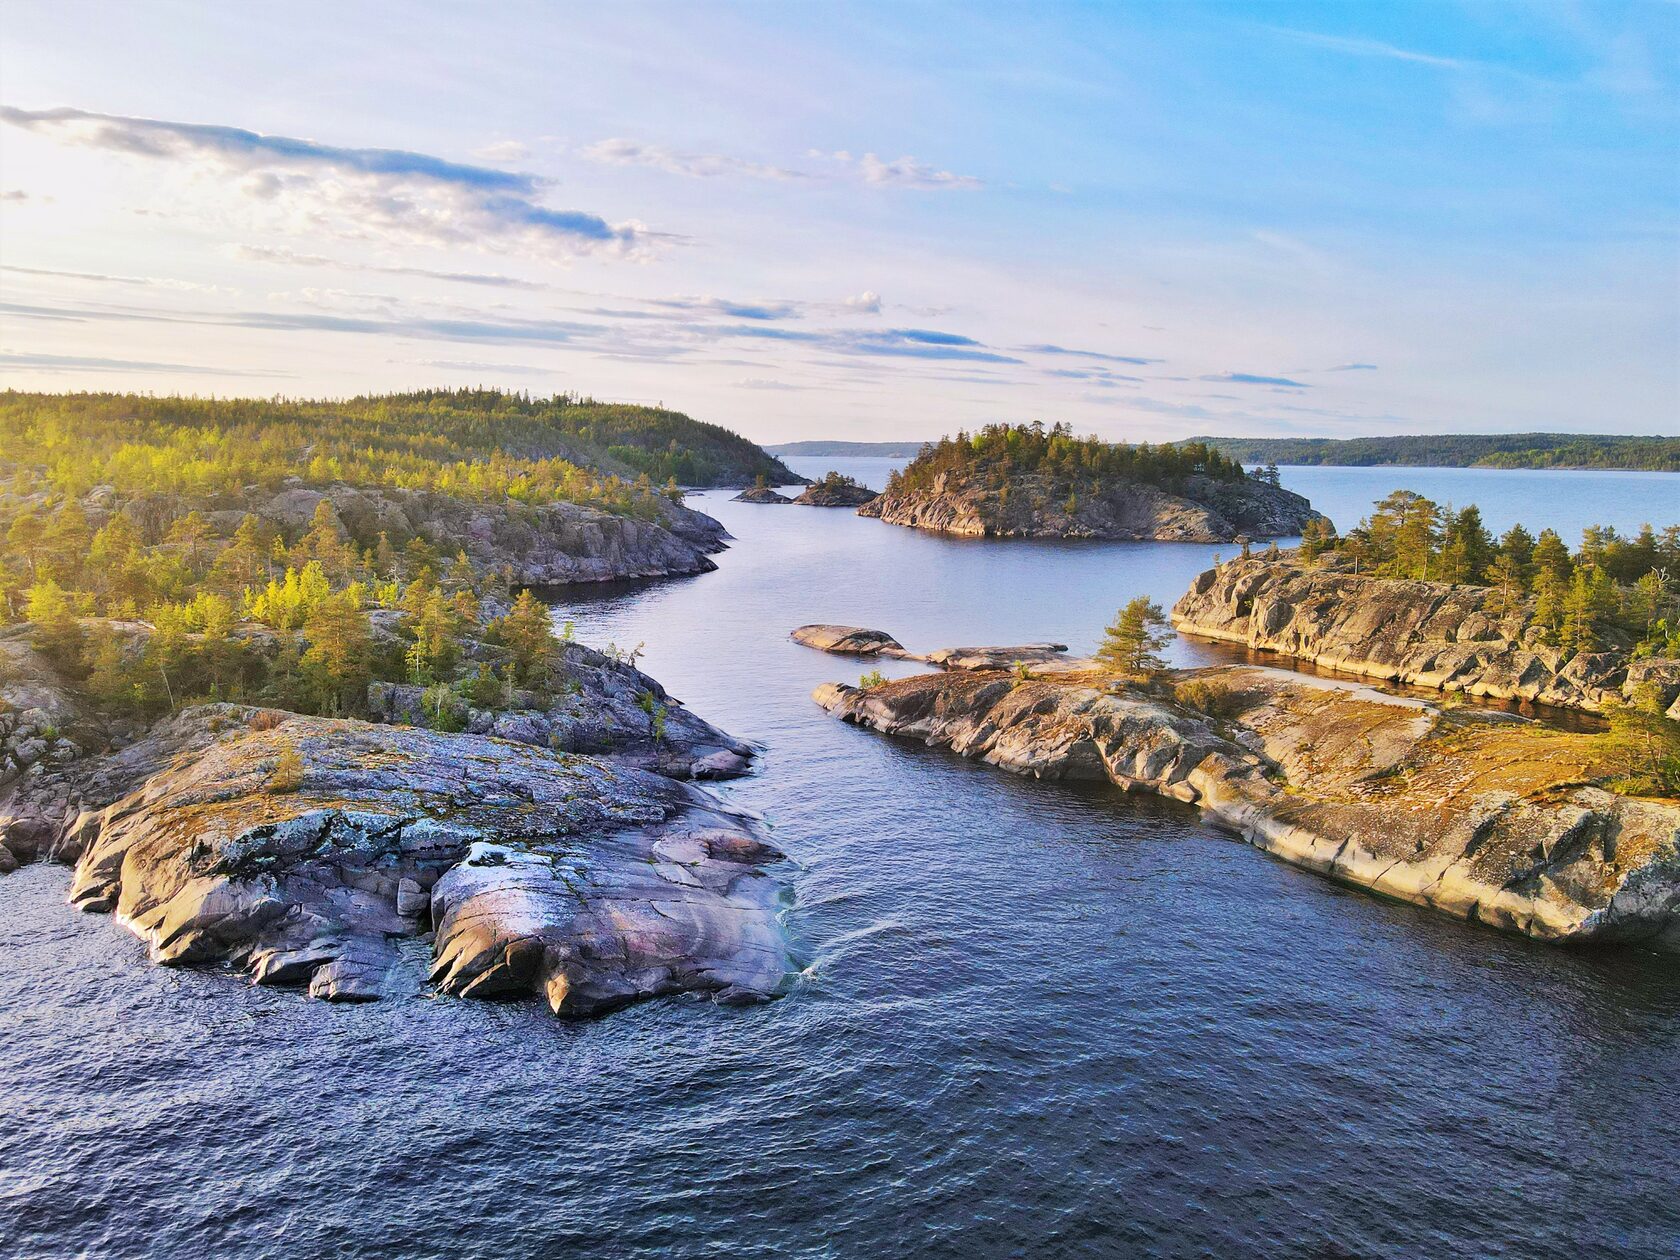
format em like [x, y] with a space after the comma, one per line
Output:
[1035, 1019]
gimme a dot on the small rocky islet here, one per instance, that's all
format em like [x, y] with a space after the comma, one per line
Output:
[1473, 812]
[1026, 481]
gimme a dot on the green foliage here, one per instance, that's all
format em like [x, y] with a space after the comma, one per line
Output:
[1074, 466]
[1504, 450]
[287, 775]
[873, 679]
[1132, 642]
[527, 631]
[1212, 698]
[1645, 745]
[1615, 591]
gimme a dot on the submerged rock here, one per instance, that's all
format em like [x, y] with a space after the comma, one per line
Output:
[1424, 634]
[1475, 814]
[298, 848]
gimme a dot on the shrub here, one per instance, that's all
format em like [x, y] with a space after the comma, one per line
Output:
[873, 679]
[1212, 698]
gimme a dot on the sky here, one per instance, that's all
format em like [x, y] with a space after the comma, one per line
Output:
[860, 221]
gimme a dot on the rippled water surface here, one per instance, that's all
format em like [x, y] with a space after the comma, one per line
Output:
[1036, 1020]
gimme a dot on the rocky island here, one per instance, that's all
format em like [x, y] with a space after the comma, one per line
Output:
[1017, 481]
[304, 718]
[835, 490]
[761, 494]
[1473, 813]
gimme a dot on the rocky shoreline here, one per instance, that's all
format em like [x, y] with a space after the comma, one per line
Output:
[1479, 815]
[1203, 509]
[303, 850]
[1423, 634]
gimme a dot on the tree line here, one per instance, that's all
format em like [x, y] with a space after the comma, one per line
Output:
[1612, 591]
[999, 453]
[1462, 450]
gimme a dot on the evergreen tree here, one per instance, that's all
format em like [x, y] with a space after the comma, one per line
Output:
[528, 633]
[1132, 642]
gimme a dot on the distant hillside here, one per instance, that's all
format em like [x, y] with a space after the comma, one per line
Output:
[1462, 450]
[564, 447]
[885, 450]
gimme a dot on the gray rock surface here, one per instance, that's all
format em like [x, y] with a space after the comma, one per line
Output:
[1424, 634]
[1473, 814]
[823, 494]
[1206, 510]
[546, 544]
[761, 494]
[548, 874]
[848, 640]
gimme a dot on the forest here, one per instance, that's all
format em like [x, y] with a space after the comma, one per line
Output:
[466, 443]
[1612, 591]
[1459, 450]
[999, 453]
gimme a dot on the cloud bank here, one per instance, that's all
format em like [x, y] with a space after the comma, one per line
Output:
[352, 193]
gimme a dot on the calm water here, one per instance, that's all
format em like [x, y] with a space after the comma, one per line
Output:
[1035, 1021]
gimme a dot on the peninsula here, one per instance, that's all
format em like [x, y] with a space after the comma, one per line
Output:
[1026, 481]
[277, 690]
[1476, 814]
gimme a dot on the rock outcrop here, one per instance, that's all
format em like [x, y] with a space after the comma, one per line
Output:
[1423, 634]
[604, 706]
[842, 494]
[541, 544]
[1475, 814]
[761, 494]
[858, 641]
[300, 849]
[1205, 509]
[849, 641]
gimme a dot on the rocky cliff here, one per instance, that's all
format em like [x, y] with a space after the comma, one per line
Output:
[1424, 634]
[1204, 509]
[1478, 815]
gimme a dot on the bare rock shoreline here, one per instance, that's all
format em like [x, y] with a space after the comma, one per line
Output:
[1423, 634]
[1478, 815]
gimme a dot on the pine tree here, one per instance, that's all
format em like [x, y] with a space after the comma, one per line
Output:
[337, 663]
[528, 633]
[1132, 642]
[55, 631]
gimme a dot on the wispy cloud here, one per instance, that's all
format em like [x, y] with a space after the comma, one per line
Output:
[621, 152]
[99, 277]
[264, 253]
[354, 193]
[904, 172]
[1249, 378]
[1358, 47]
[84, 363]
[503, 151]
[1089, 354]
[1353, 367]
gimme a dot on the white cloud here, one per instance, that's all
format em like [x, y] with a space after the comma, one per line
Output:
[866, 303]
[353, 194]
[621, 152]
[503, 151]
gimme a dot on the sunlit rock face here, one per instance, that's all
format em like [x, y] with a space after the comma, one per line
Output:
[1204, 509]
[1425, 634]
[306, 851]
[1476, 814]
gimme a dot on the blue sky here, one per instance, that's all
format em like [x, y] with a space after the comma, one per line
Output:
[863, 221]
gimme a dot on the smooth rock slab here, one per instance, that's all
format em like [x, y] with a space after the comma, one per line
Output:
[589, 884]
